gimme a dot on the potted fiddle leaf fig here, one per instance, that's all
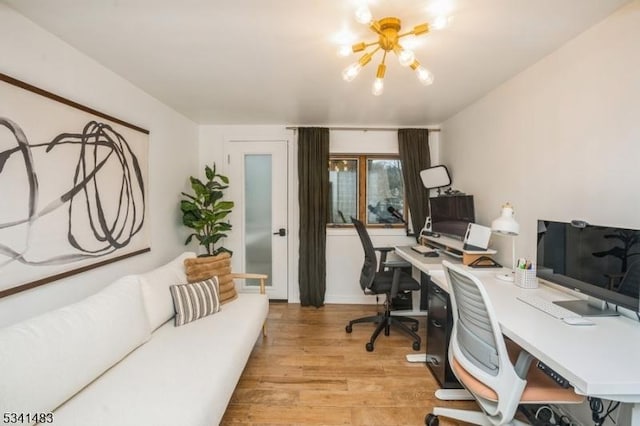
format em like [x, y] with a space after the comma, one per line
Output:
[204, 211]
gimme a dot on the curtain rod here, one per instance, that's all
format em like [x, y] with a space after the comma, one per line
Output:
[365, 129]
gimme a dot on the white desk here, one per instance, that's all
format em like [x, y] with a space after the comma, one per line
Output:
[601, 360]
[428, 265]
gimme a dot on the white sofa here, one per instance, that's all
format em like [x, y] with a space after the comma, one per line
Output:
[116, 358]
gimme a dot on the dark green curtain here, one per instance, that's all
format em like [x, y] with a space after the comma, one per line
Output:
[313, 195]
[413, 145]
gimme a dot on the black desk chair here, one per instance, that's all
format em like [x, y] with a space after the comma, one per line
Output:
[389, 279]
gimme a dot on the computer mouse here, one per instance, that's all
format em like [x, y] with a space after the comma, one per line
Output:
[577, 321]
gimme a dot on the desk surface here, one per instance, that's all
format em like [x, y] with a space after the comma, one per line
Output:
[601, 360]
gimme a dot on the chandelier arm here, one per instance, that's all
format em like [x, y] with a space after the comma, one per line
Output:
[418, 30]
[410, 33]
[375, 27]
[359, 47]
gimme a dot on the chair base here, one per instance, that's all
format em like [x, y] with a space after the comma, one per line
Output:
[454, 395]
[384, 322]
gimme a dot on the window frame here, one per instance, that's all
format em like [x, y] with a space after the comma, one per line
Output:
[361, 190]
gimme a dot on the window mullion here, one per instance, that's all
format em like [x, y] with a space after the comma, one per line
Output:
[362, 189]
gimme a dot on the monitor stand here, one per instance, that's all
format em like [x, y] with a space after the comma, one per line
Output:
[587, 308]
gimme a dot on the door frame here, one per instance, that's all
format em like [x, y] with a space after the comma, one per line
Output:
[293, 292]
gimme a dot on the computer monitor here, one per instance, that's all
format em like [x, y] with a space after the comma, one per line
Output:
[595, 260]
[451, 215]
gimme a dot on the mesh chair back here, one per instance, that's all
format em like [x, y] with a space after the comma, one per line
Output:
[478, 346]
[369, 267]
[475, 334]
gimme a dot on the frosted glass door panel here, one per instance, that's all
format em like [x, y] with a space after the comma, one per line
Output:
[258, 216]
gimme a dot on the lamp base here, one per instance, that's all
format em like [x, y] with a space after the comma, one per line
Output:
[506, 277]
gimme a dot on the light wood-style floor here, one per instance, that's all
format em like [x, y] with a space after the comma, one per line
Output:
[309, 371]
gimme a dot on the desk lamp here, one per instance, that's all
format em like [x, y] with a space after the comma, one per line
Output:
[506, 225]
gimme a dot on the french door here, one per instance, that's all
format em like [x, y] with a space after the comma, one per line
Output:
[258, 185]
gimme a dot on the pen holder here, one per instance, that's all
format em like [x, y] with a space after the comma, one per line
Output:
[526, 278]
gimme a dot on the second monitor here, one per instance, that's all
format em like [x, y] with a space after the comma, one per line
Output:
[451, 215]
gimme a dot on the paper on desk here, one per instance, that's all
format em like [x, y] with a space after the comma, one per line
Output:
[477, 236]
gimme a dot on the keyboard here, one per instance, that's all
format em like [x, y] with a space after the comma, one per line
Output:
[547, 307]
[422, 249]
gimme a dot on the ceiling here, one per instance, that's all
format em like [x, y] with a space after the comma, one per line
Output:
[275, 61]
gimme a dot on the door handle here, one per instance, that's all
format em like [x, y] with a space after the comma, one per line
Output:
[281, 232]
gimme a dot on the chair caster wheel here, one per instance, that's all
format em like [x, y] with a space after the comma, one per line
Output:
[369, 347]
[431, 420]
[348, 329]
[414, 327]
[416, 346]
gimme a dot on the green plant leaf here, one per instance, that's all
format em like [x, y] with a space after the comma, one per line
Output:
[209, 172]
[188, 206]
[224, 205]
[205, 210]
[189, 196]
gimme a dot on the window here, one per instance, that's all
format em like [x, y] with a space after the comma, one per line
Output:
[365, 187]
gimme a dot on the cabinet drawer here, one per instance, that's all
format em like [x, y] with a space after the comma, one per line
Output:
[439, 324]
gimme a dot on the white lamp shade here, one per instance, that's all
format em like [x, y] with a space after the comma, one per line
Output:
[506, 223]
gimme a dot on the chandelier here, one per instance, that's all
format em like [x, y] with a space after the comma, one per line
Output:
[389, 35]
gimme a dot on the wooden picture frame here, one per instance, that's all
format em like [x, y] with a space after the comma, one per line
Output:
[73, 187]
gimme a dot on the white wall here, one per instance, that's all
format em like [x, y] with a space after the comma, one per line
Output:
[561, 140]
[32, 55]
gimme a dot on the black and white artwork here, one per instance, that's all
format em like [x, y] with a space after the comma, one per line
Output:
[73, 187]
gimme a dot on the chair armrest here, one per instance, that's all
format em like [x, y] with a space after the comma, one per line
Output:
[261, 277]
[397, 264]
[383, 256]
[384, 249]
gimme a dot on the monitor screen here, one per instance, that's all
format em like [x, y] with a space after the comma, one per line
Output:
[450, 215]
[594, 260]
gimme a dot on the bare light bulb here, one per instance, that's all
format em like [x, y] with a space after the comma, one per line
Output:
[351, 71]
[378, 87]
[344, 50]
[441, 22]
[406, 57]
[424, 75]
[363, 14]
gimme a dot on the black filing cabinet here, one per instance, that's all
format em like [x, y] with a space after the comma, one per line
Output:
[439, 324]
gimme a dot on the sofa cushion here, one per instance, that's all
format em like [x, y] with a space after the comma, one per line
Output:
[182, 376]
[45, 360]
[196, 300]
[155, 288]
[202, 268]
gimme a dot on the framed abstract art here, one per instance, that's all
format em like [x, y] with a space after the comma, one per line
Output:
[73, 187]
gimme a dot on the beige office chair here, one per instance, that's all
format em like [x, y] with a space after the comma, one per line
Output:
[498, 373]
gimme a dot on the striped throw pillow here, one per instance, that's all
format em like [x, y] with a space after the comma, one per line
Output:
[196, 300]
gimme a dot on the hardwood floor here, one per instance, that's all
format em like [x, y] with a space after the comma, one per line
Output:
[309, 371]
